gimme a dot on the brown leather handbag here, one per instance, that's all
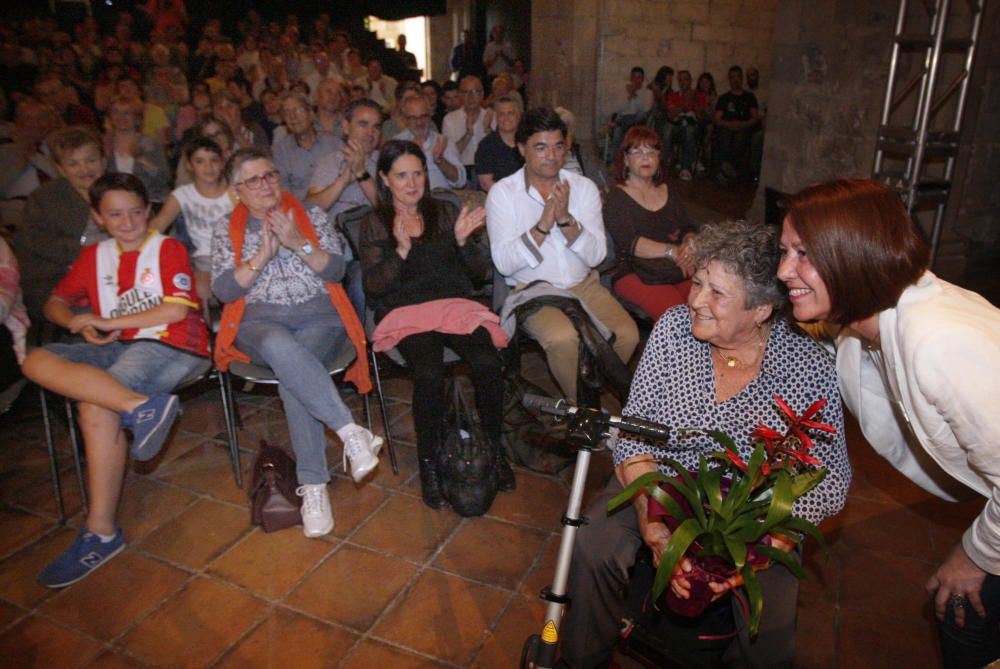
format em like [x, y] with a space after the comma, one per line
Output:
[273, 502]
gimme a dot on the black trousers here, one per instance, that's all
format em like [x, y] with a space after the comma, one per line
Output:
[605, 551]
[424, 354]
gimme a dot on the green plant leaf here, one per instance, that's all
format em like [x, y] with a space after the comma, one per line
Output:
[724, 440]
[737, 551]
[641, 483]
[806, 481]
[687, 487]
[778, 555]
[803, 526]
[711, 481]
[669, 503]
[781, 501]
[754, 597]
[680, 540]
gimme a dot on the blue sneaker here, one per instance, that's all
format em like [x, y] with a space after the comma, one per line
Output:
[150, 423]
[86, 554]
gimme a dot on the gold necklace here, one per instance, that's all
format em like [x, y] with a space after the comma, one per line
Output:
[733, 362]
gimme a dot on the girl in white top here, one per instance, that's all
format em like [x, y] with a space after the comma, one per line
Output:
[202, 202]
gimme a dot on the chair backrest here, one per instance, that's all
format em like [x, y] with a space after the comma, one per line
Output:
[349, 224]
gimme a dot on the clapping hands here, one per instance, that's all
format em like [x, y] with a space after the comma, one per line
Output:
[468, 222]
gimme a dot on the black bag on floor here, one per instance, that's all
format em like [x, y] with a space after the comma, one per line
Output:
[273, 502]
[467, 462]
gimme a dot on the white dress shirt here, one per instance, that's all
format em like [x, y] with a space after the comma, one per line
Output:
[435, 176]
[453, 127]
[513, 207]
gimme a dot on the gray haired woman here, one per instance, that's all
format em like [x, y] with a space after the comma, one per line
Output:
[715, 363]
[275, 266]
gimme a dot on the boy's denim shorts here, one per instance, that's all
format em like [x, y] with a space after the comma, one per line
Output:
[146, 367]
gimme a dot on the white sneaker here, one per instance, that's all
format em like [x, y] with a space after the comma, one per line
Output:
[361, 447]
[685, 175]
[317, 517]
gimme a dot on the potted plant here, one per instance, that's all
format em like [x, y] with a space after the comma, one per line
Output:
[726, 516]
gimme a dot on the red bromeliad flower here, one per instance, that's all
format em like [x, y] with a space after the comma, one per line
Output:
[795, 444]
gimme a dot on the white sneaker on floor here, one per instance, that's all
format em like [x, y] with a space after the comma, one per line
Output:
[361, 447]
[685, 175]
[317, 517]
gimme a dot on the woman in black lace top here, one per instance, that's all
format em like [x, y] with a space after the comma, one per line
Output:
[415, 250]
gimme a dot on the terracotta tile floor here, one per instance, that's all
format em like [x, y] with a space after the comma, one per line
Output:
[395, 584]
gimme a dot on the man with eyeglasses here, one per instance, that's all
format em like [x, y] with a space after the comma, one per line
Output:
[297, 153]
[467, 126]
[545, 224]
[497, 156]
[344, 178]
[444, 167]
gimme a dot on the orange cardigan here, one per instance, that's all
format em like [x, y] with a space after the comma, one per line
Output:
[232, 313]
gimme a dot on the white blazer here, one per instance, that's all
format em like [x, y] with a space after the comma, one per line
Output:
[941, 352]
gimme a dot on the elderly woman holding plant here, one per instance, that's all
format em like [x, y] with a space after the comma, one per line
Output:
[715, 364]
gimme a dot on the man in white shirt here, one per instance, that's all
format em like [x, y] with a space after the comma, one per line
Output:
[380, 86]
[467, 126]
[635, 109]
[498, 56]
[545, 224]
[444, 168]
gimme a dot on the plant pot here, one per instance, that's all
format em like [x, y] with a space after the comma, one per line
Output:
[705, 570]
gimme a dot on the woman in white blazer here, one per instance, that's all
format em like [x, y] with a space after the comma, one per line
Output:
[918, 361]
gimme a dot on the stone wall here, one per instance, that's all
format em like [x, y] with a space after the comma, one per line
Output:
[582, 50]
[445, 32]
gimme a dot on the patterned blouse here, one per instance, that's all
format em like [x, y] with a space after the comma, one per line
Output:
[675, 385]
[286, 287]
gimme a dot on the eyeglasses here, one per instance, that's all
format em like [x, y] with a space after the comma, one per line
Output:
[253, 183]
[297, 111]
[473, 91]
[642, 151]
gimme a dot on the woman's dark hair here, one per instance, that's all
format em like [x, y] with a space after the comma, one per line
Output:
[539, 119]
[750, 251]
[116, 181]
[861, 241]
[392, 151]
[637, 135]
[709, 77]
[200, 126]
[201, 144]
[661, 75]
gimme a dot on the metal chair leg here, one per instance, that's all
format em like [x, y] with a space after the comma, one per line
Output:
[228, 410]
[74, 444]
[53, 462]
[385, 415]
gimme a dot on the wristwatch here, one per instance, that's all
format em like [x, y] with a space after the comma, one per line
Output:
[571, 221]
[306, 249]
[364, 176]
[669, 252]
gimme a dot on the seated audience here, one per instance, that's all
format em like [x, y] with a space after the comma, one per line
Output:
[717, 363]
[51, 89]
[444, 169]
[155, 123]
[13, 318]
[201, 203]
[215, 130]
[131, 152]
[297, 153]
[166, 84]
[466, 127]
[226, 108]
[433, 91]
[685, 107]
[652, 231]
[141, 339]
[497, 156]
[330, 103]
[503, 86]
[343, 179]
[275, 266]
[57, 221]
[573, 162]
[736, 118]
[545, 224]
[378, 86]
[26, 161]
[396, 124]
[415, 250]
[636, 107]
